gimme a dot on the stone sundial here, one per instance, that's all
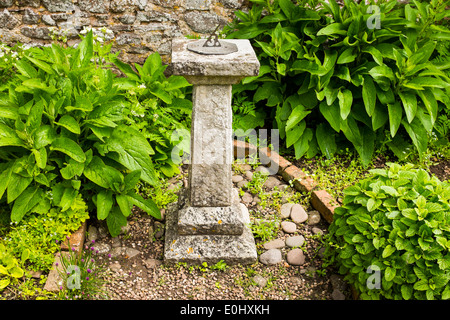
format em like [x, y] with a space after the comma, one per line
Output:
[208, 224]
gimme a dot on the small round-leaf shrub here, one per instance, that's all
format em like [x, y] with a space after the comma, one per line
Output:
[391, 236]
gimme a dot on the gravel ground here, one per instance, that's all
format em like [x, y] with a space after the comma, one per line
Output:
[136, 270]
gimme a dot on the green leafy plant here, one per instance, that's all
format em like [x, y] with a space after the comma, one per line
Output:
[158, 107]
[83, 277]
[65, 131]
[329, 76]
[40, 233]
[265, 230]
[396, 222]
[10, 267]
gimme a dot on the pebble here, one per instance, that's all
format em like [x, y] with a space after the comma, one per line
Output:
[288, 227]
[313, 217]
[316, 230]
[337, 295]
[151, 263]
[286, 210]
[298, 214]
[260, 280]
[247, 198]
[242, 184]
[249, 175]
[115, 267]
[101, 247]
[115, 252]
[295, 241]
[237, 178]
[92, 233]
[130, 252]
[295, 257]
[263, 170]
[271, 257]
[271, 182]
[274, 244]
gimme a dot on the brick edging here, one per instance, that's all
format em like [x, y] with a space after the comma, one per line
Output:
[321, 200]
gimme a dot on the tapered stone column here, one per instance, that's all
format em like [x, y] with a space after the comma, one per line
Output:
[208, 223]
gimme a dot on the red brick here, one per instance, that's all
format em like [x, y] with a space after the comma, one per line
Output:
[266, 155]
[76, 239]
[323, 202]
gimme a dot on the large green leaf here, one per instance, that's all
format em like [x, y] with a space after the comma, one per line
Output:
[418, 135]
[25, 202]
[43, 136]
[133, 151]
[69, 147]
[334, 28]
[69, 123]
[145, 204]
[104, 176]
[409, 102]
[345, 102]
[5, 177]
[8, 137]
[298, 113]
[331, 114]
[15, 189]
[302, 144]
[115, 221]
[369, 94]
[395, 117]
[295, 133]
[326, 140]
[104, 203]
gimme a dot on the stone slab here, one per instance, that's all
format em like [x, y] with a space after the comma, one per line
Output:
[196, 249]
[209, 220]
[233, 66]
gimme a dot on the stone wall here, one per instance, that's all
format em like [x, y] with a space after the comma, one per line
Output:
[139, 27]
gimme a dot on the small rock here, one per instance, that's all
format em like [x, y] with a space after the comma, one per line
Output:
[35, 274]
[271, 182]
[115, 242]
[249, 175]
[247, 198]
[298, 214]
[151, 263]
[296, 280]
[130, 252]
[236, 179]
[115, 267]
[256, 199]
[286, 210]
[295, 241]
[274, 244]
[260, 280]
[244, 166]
[242, 184]
[288, 227]
[117, 251]
[92, 233]
[313, 217]
[125, 229]
[263, 170]
[271, 257]
[337, 295]
[159, 229]
[316, 230]
[48, 20]
[101, 247]
[295, 257]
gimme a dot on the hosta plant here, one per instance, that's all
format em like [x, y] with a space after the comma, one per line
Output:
[334, 75]
[65, 131]
[391, 236]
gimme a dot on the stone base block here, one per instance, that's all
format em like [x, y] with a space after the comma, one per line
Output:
[196, 249]
[209, 220]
